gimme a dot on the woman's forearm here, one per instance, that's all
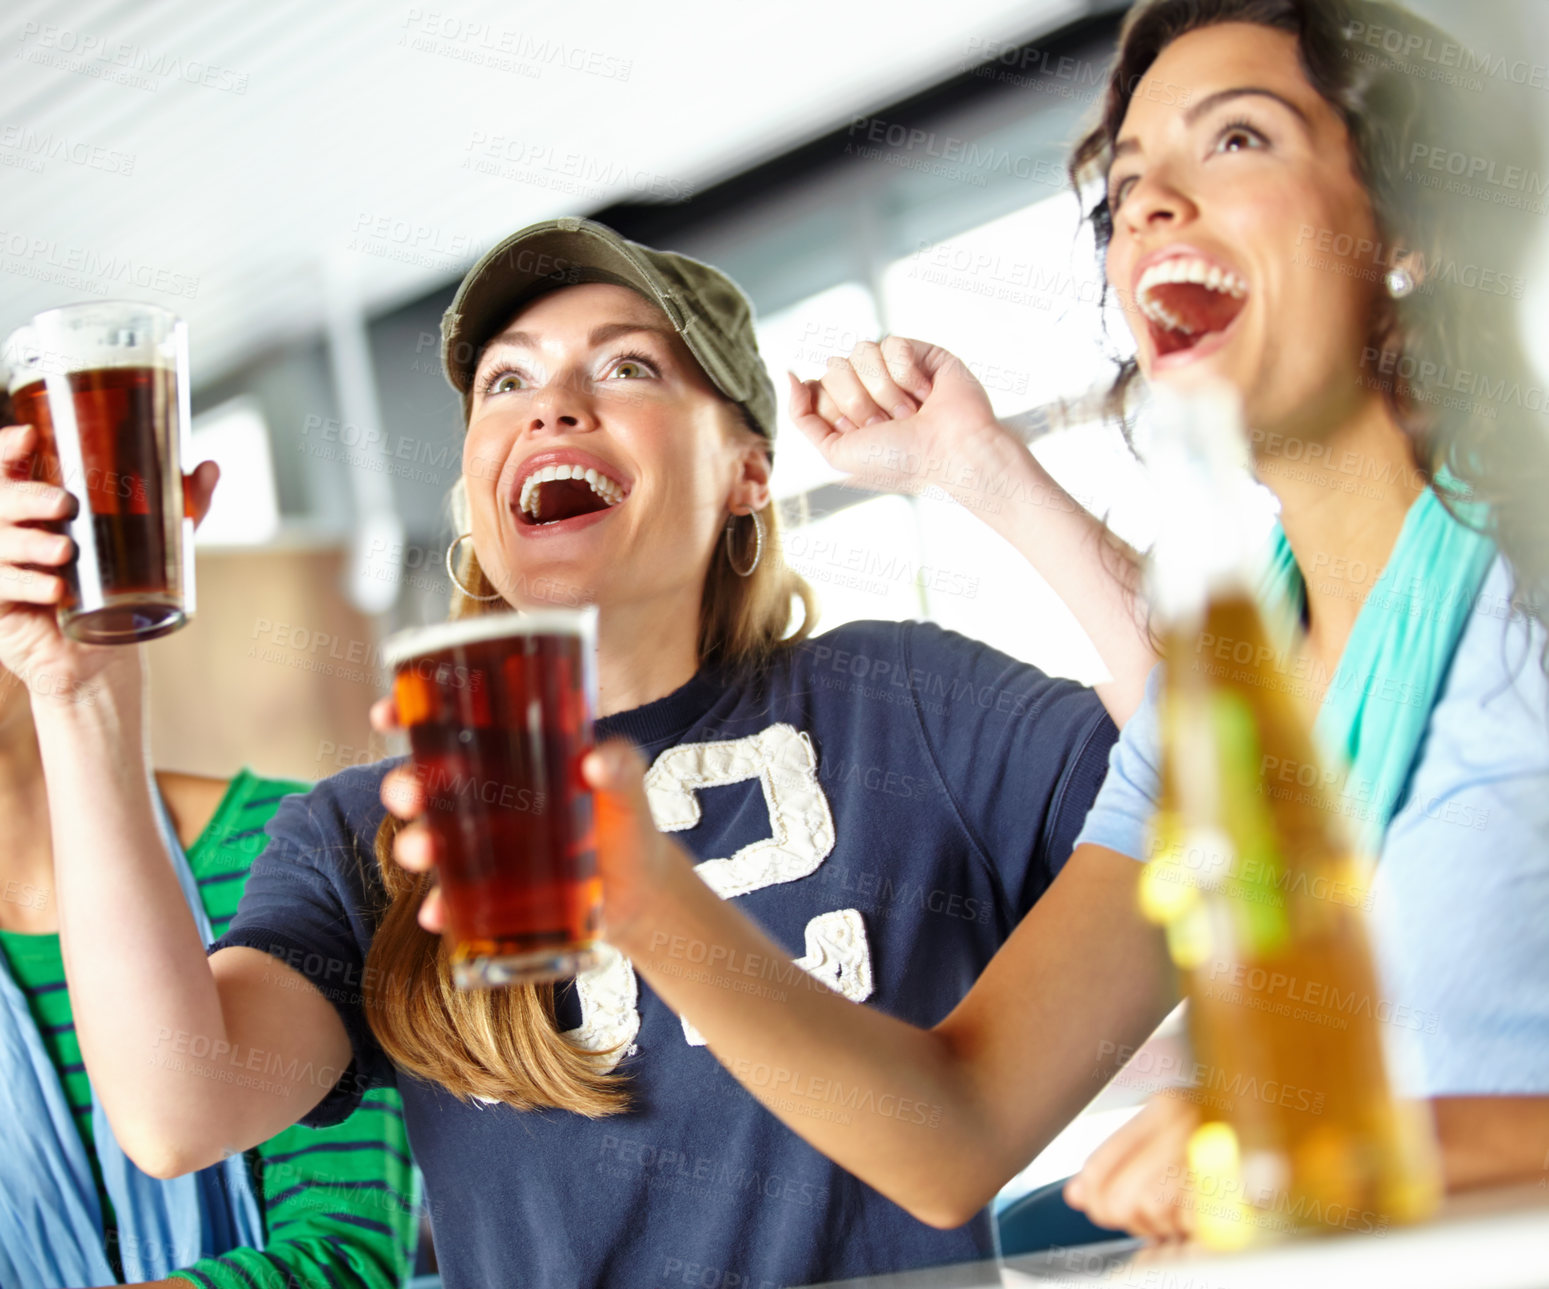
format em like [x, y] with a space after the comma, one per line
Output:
[1097, 576]
[136, 968]
[878, 1096]
[146, 1005]
[937, 1120]
[1493, 1140]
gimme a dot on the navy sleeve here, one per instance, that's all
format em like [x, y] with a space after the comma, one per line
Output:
[1020, 754]
[309, 902]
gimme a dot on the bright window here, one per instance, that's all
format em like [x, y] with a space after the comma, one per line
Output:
[1016, 299]
[862, 562]
[802, 339]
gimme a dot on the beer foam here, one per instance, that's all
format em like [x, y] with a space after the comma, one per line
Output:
[90, 337]
[22, 359]
[417, 641]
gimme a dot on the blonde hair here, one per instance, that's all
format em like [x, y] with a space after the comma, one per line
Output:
[504, 1044]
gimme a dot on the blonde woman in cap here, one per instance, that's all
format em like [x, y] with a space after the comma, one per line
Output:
[887, 798]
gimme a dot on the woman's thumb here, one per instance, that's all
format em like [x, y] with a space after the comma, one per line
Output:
[616, 772]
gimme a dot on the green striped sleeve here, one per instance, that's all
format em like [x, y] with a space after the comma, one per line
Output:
[340, 1203]
[339, 1207]
[224, 852]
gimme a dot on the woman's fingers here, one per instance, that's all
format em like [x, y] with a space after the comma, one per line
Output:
[805, 416]
[198, 489]
[32, 503]
[23, 498]
[384, 716]
[414, 848]
[402, 792]
[803, 396]
[29, 586]
[17, 444]
[1092, 1184]
[1143, 1194]
[1130, 1181]
[870, 365]
[432, 915]
[34, 546]
[829, 411]
[615, 771]
[904, 364]
[24, 502]
[629, 847]
[877, 382]
[845, 390]
[1089, 1189]
[1157, 1197]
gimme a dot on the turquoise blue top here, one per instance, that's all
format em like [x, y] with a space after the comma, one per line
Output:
[1460, 903]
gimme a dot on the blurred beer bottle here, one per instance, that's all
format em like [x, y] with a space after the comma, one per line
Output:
[1259, 887]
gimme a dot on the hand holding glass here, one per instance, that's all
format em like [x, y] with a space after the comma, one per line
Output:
[498, 711]
[106, 386]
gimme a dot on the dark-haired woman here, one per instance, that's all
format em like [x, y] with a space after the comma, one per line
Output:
[851, 789]
[1268, 235]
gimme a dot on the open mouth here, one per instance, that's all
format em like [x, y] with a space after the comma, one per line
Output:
[552, 494]
[1185, 298]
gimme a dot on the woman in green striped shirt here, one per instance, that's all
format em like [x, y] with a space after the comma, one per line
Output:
[336, 1205]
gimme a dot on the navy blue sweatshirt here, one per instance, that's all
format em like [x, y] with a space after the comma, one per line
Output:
[887, 800]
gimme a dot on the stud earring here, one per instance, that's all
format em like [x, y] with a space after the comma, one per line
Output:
[1400, 282]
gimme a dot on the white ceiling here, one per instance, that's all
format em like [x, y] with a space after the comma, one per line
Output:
[329, 153]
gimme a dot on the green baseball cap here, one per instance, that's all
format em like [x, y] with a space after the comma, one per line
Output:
[705, 306]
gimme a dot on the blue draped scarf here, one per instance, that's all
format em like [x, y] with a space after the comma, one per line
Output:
[51, 1220]
[1390, 675]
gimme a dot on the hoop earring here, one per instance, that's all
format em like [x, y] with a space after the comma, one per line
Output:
[758, 544]
[451, 569]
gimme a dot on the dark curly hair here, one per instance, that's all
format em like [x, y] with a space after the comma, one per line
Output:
[1376, 65]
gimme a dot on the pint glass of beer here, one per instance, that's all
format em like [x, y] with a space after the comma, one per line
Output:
[498, 709]
[106, 385]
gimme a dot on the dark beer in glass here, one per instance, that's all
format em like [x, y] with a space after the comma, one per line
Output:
[106, 386]
[498, 711]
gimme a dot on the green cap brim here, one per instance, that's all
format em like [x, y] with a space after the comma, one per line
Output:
[570, 251]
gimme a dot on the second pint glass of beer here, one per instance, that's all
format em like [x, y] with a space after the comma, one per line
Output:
[106, 386]
[498, 711]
